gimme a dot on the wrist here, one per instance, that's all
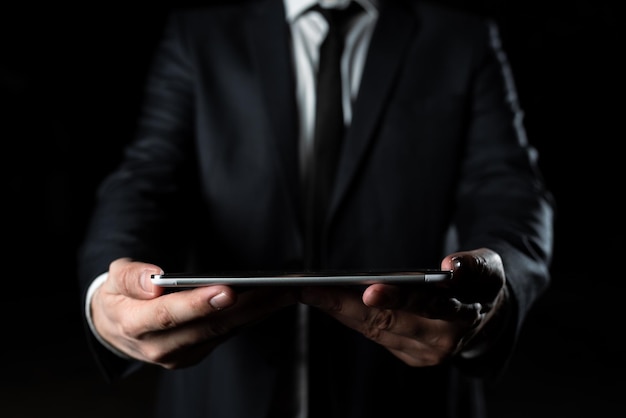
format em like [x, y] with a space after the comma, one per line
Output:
[89, 316]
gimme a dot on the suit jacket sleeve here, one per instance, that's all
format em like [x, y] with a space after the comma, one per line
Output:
[516, 208]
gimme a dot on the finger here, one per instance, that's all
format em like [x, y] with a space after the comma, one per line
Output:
[408, 323]
[182, 339]
[132, 279]
[185, 344]
[417, 340]
[177, 309]
[427, 301]
[352, 310]
[477, 273]
[402, 296]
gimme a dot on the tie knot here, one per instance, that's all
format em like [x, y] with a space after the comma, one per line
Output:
[337, 18]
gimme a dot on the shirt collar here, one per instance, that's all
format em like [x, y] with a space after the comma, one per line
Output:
[294, 8]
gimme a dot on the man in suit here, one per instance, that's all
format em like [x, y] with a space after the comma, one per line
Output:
[435, 171]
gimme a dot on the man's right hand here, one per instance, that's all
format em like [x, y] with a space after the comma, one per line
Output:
[177, 329]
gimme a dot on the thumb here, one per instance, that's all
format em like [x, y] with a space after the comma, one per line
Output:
[133, 279]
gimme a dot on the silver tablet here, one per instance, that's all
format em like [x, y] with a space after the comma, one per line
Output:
[325, 278]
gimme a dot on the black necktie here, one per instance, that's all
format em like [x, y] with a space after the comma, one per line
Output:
[323, 359]
[329, 128]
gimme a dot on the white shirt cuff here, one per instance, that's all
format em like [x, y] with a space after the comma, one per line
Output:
[92, 288]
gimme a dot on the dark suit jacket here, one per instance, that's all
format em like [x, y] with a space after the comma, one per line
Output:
[436, 145]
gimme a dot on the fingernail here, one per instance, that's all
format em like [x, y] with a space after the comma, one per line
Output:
[220, 301]
[456, 263]
[145, 282]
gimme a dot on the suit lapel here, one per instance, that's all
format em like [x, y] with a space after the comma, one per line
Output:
[268, 37]
[389, 42]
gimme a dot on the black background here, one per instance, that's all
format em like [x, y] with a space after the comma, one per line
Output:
[71, 81]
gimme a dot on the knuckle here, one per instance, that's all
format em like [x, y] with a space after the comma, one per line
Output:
[377, 322]
[164, 318]
[128, 327]
[432, 358]
[382, 319]
[442, 347]
[153, 353]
